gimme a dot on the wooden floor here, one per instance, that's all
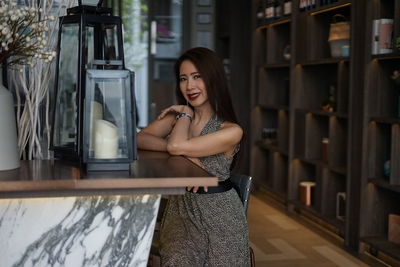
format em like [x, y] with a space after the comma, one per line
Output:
[280, 240]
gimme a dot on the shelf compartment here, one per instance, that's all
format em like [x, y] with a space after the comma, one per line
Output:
[278, 38]
[318, 28]
[262, 167]
[273, 87]
[332, 185]
[384, 152]
[379, 204]
[263, 118]
[306, 172]
[317, 128]
[384, 102]
[313, 85]
[337, 149]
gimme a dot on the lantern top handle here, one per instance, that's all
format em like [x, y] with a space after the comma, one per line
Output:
[91, 3]
[89, 7]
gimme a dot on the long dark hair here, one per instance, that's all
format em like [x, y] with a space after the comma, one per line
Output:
[213, 74]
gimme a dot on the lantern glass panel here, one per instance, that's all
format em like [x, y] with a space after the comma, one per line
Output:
[107, 93]
[88, 50]
[65, 129]
[111, 42]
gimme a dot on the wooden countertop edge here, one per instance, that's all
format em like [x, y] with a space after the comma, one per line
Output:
[107, 184]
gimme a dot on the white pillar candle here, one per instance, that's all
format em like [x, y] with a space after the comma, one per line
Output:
[105, 140]
[96, 114]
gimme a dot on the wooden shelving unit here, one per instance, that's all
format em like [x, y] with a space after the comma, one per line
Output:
[380, 192]
[363, 128]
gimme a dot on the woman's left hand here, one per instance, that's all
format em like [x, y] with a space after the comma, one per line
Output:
[194, 189]
[176, 109]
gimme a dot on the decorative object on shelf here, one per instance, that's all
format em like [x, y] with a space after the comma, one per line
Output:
[386, 169]
[269, 10]
[325, 149]
[394, 228]
[307, 193]
[287, 52]
[269, 135]
[278, 9]
[339, 34]
[287, 7]
[330, 103]
[345, 51]
[260, 14]
[341, 205]
[375, 36]
[94, 92]
[385, 36]
[397, 43]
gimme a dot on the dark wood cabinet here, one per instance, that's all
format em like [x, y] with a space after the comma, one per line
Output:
[334, 110]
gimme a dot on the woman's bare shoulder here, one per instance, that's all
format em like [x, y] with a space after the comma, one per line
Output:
[233, 127]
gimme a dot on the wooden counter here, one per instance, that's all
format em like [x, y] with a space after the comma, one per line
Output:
[153, 172]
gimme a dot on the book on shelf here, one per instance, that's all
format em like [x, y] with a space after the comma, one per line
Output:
[382, 36]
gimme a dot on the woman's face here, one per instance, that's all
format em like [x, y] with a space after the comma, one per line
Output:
[192, 85]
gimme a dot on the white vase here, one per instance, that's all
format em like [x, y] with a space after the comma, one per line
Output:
[9, 158]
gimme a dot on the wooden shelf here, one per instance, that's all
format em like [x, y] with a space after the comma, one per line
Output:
[383, 183]
[329, 8]
[324, 61]
[387, 57]
[386, 120]
[276, 66]
[280, 21]
[274, 107]
[272, 147]
[381, 244]
[323, 113]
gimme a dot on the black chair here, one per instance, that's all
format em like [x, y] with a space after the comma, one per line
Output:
[242, 184]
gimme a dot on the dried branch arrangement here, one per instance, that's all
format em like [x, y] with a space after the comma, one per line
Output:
[33, 53]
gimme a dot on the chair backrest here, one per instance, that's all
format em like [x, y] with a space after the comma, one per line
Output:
[242, 183]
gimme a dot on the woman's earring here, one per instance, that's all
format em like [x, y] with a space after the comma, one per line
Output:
[187, 103]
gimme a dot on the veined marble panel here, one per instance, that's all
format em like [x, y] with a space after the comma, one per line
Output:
[77, 231]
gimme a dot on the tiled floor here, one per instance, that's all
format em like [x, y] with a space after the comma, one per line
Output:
[279, 240]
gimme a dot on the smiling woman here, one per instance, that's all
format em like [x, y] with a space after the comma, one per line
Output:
[206, 226]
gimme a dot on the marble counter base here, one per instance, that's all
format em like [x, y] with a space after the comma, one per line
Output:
[77, 231]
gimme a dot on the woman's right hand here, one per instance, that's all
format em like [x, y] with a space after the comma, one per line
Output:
[175, 109]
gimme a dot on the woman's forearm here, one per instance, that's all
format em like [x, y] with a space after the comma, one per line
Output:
[147, 141]
[178, 136]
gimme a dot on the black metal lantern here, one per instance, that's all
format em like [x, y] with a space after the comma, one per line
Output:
[92, 84]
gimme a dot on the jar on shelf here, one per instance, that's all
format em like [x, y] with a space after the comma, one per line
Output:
[307, 193]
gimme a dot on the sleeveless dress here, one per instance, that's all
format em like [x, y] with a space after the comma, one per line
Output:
[206, 229]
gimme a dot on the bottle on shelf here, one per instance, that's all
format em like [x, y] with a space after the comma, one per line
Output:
[278, 9]
[269, 10]
[302, 5]
[287, 7]
[260, 13]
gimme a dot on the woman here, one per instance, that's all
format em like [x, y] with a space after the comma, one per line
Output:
[205, 226]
